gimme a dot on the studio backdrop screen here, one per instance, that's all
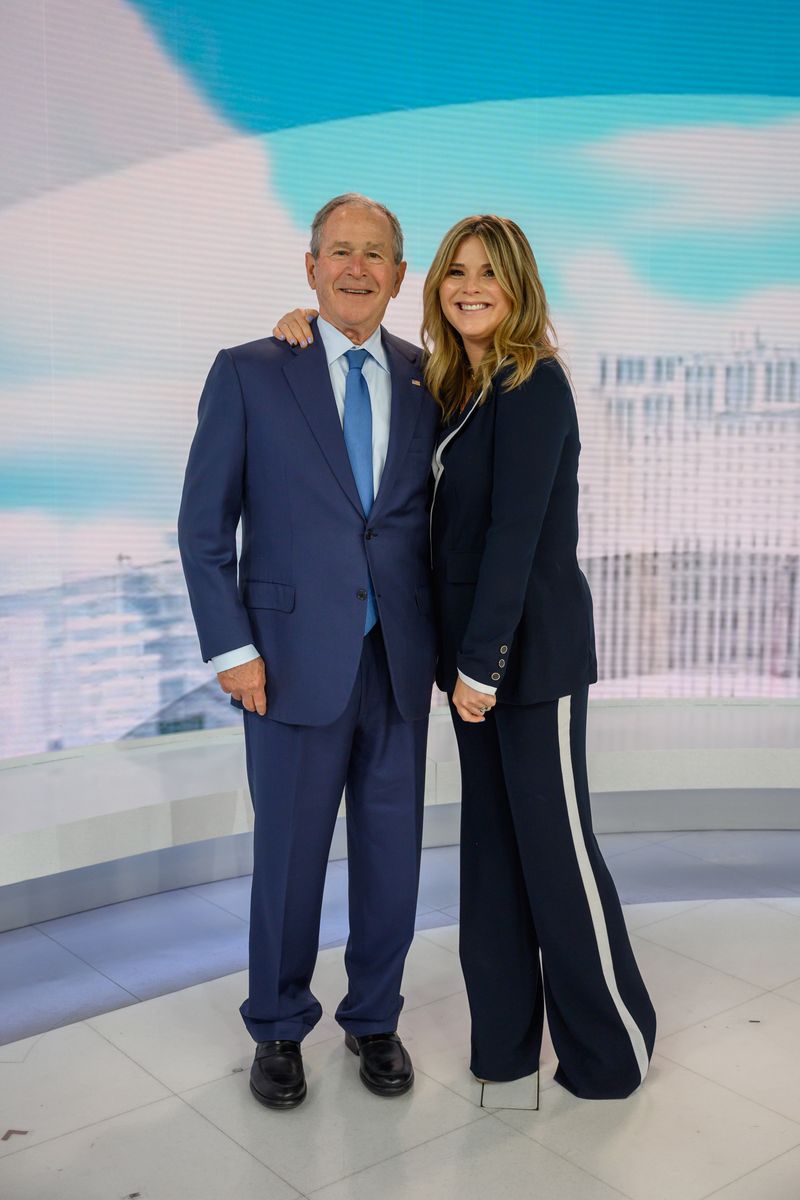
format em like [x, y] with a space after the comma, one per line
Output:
[160, 164]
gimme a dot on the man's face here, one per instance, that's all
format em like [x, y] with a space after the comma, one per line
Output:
[355, 275]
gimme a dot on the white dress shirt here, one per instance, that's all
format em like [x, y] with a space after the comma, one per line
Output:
[379, 381]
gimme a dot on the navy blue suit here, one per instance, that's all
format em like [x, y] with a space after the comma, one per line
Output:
[515, 613]
[505, 534]
[269, 448]
[344, 711]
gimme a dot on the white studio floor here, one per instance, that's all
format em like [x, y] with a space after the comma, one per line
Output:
[151, 1100]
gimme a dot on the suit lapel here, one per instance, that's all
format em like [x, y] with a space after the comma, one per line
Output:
[309, 378]
[406, 402]
[463, 417]
[449, 435]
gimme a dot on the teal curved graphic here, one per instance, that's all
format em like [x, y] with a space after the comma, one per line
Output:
[550, 165]
[267, 67]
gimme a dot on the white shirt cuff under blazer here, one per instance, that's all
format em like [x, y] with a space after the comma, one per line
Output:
[486, 688]
[234, 658]
[379, 381]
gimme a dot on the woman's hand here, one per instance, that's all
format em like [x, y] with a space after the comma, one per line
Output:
[469, 704]
[294, 327]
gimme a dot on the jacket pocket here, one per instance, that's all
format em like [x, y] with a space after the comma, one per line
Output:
[258, 593]
[463, 566]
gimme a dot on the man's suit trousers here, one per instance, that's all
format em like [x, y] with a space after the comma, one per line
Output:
[533, 881]
[297, 774]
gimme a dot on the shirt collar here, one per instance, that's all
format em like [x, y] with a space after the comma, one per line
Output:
[337, 343]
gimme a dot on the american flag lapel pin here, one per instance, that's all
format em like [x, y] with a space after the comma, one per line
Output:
[416, 382]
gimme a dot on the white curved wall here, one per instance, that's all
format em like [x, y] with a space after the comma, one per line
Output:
[652, 764]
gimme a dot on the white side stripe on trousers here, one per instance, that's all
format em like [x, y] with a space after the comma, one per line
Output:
[590, 887]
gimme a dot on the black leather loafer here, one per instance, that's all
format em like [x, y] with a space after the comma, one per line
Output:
[277, 1078]
[385, 1063]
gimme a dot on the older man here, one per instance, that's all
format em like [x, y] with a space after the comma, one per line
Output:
[326, 641]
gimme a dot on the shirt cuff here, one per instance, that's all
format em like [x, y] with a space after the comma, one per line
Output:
[234, 658]
[486, 688]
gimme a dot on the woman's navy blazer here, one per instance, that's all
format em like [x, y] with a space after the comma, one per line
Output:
[514, 608]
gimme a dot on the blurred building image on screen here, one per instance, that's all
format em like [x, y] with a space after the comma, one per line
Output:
[689, 535]
[690, 486]
[96, 658]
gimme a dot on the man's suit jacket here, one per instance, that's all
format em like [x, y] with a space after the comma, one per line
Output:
[269, 447]
[514, 608]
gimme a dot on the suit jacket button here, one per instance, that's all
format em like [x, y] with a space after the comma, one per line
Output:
[361, 594]
[502, 662]
[495, 675]
[504, 649]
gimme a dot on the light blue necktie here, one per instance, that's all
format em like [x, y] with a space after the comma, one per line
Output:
[358, 439]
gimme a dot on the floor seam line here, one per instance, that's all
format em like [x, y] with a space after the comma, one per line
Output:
[447, 1088]
[752, 1171]
[125, 1054]
[37, 1037]
[728, 1088]
[776, 990]
[398, 1154]
[239, 1145]
[658, 920]
[710, 966]
[765, 902]
[433, 942]
[711, 1016]
[86, 963]
[220, 907]
[436, 1000]
[80, 1128]
[569, 1161]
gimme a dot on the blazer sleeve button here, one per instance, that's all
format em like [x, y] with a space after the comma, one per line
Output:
[495, 674]
[502, 662]
[504, 649]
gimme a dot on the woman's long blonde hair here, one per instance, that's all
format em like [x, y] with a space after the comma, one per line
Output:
[521, 339]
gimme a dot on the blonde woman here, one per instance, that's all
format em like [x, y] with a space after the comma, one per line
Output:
[516, 659]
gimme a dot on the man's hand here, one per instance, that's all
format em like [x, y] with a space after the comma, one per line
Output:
[469, 703]
[248, 683]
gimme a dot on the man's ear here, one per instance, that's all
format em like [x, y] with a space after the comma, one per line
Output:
[311, 270]
[399, 277]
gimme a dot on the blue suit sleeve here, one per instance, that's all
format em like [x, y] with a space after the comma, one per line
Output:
[211, 506]
[531, 426]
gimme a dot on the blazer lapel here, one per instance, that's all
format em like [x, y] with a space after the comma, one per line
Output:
[406, 402]
[449, 433]
[309, 378]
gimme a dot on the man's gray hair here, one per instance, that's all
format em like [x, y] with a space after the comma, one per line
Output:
[355, 200]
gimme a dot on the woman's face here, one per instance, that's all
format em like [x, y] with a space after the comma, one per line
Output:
[471, 298]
